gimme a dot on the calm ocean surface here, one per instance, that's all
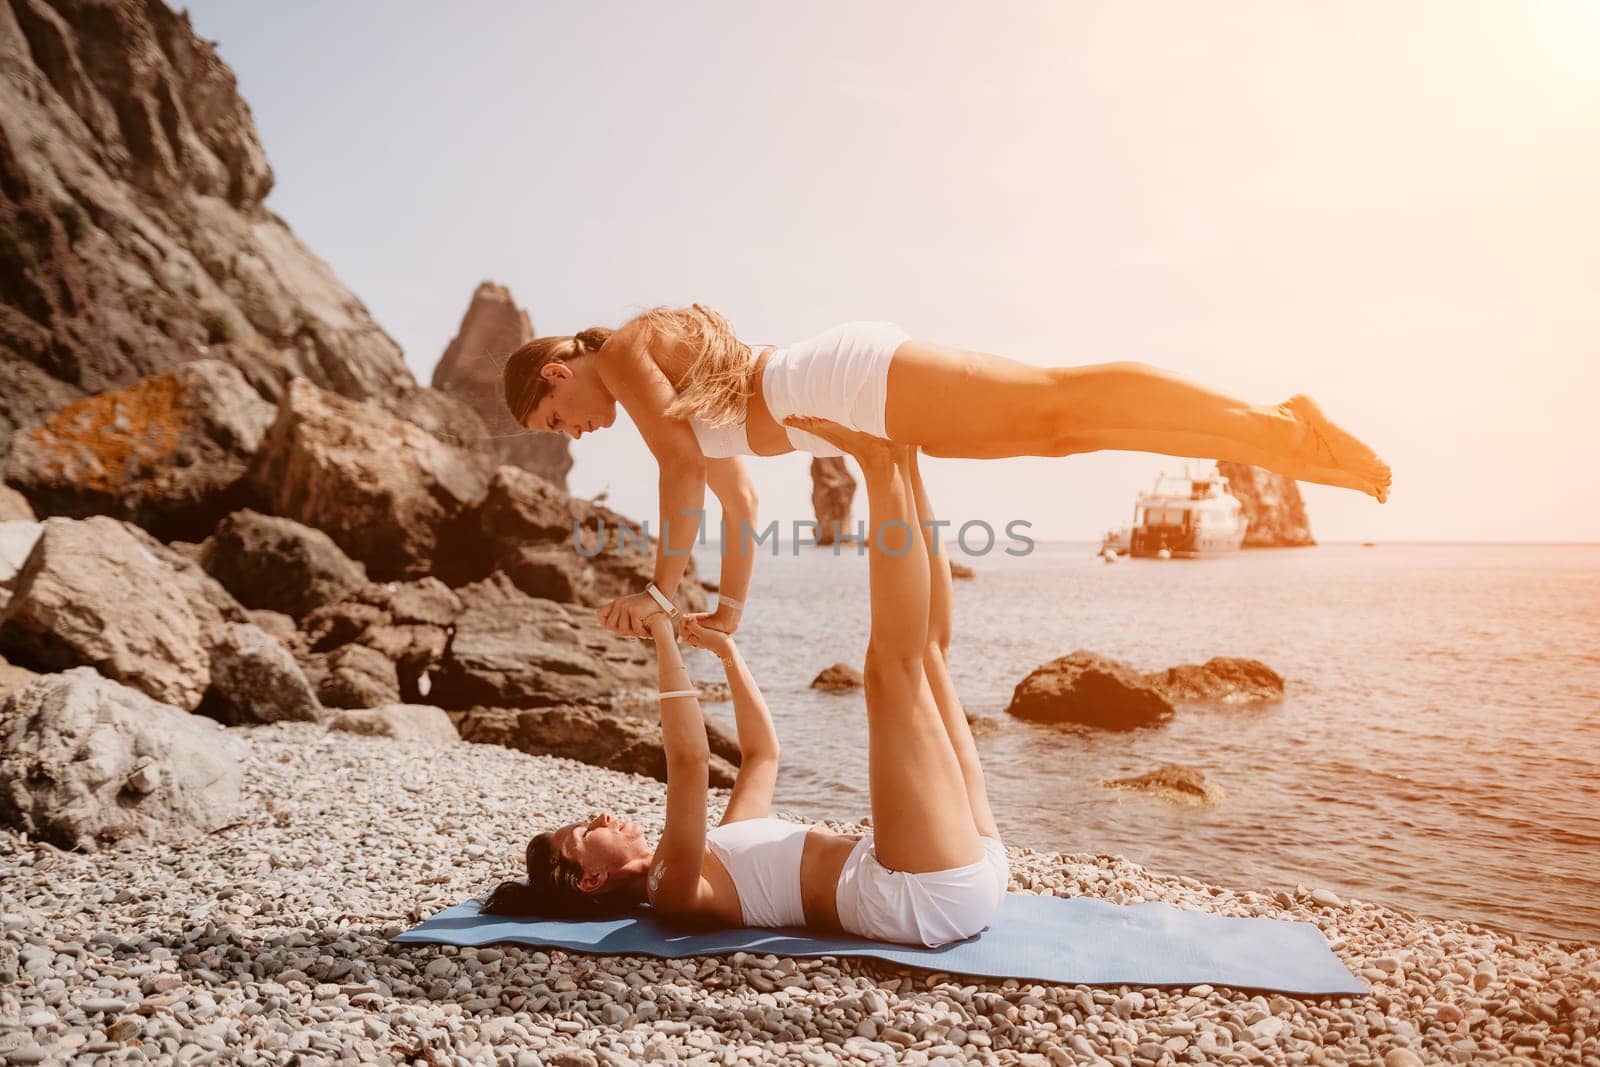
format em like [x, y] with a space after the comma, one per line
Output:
[1438, 748]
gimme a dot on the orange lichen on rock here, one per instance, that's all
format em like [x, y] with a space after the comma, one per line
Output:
[102, 442]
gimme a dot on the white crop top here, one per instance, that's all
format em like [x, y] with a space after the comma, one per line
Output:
[763, 859]
[842, 375]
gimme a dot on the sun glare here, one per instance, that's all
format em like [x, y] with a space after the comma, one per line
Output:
[1567, 33]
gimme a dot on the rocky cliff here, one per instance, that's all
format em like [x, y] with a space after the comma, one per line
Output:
[1272, 504]
[493, 327]
[133, 234]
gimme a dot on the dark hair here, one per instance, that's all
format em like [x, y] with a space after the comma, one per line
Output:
[551, 891]
[520, 381]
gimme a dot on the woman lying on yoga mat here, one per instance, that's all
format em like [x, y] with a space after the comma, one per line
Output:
[932, 870]
[702, 398]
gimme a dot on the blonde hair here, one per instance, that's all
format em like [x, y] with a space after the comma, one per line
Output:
[715, 387]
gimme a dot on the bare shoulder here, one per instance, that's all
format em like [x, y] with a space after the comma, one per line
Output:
[685, 903]
[642, 340]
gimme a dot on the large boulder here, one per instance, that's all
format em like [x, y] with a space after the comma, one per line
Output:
[833, 492]
[276, 564]
[402, 722]
[494, 327]
[356, 676]
[1089, 690]
[14, 507]
[586, 734]
[1220, 680]
[169, 453]
[561, 548]
[17, 539]
[385, 490]
[1271, 504]
[92, 594]
[13, 678]
[254, 678]
[84, 760]
[31, 395]
[407, 623]
[512, 650]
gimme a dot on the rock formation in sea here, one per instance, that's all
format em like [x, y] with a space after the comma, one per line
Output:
[838, 678]
[1272, 505]
[493, 327]
[833, 491]
[1177, 782]
[1088, 689]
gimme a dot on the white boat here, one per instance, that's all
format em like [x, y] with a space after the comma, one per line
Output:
[1188, 516]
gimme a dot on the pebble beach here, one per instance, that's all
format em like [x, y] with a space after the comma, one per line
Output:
[268, 942]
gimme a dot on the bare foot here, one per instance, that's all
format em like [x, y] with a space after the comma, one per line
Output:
[1336, 457]
[865, 447]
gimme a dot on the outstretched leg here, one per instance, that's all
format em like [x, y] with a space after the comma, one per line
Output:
[921, 817]
[1007, 408]
[936, 663]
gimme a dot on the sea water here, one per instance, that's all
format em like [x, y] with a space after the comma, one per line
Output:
[1437, 747]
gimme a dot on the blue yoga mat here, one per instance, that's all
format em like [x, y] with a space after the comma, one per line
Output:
[1038, 938]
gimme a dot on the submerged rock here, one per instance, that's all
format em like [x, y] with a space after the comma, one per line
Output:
[1221, 679]
[586, 734]
[1174, 781]
[838, 678]
[402, 722]
[169, 453]
[277, 564]
[1091, 690]
[86, 761]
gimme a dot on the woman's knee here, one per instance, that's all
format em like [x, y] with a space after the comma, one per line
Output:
[892, 671]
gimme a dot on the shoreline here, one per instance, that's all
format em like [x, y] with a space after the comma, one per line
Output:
[271, 935]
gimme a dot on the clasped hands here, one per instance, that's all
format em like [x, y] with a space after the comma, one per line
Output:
[629, 616]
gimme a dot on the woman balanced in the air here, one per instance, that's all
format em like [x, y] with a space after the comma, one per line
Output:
[702, 398]
[932, 870]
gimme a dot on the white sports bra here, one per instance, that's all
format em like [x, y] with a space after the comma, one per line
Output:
[763, 859]
[717, 442]
[842, 374]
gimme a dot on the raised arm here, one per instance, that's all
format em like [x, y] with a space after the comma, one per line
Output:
[758, 741]
[627, 369]
[675, 882]
[730, 479]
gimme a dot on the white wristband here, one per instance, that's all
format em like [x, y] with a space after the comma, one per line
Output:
[729, 602]
[661, 598]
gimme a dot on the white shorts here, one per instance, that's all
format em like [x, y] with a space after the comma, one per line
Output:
[931, 908]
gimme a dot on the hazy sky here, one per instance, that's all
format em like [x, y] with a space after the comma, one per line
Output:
[1391, 206]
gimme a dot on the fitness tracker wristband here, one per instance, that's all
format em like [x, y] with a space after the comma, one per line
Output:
[661, 598]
